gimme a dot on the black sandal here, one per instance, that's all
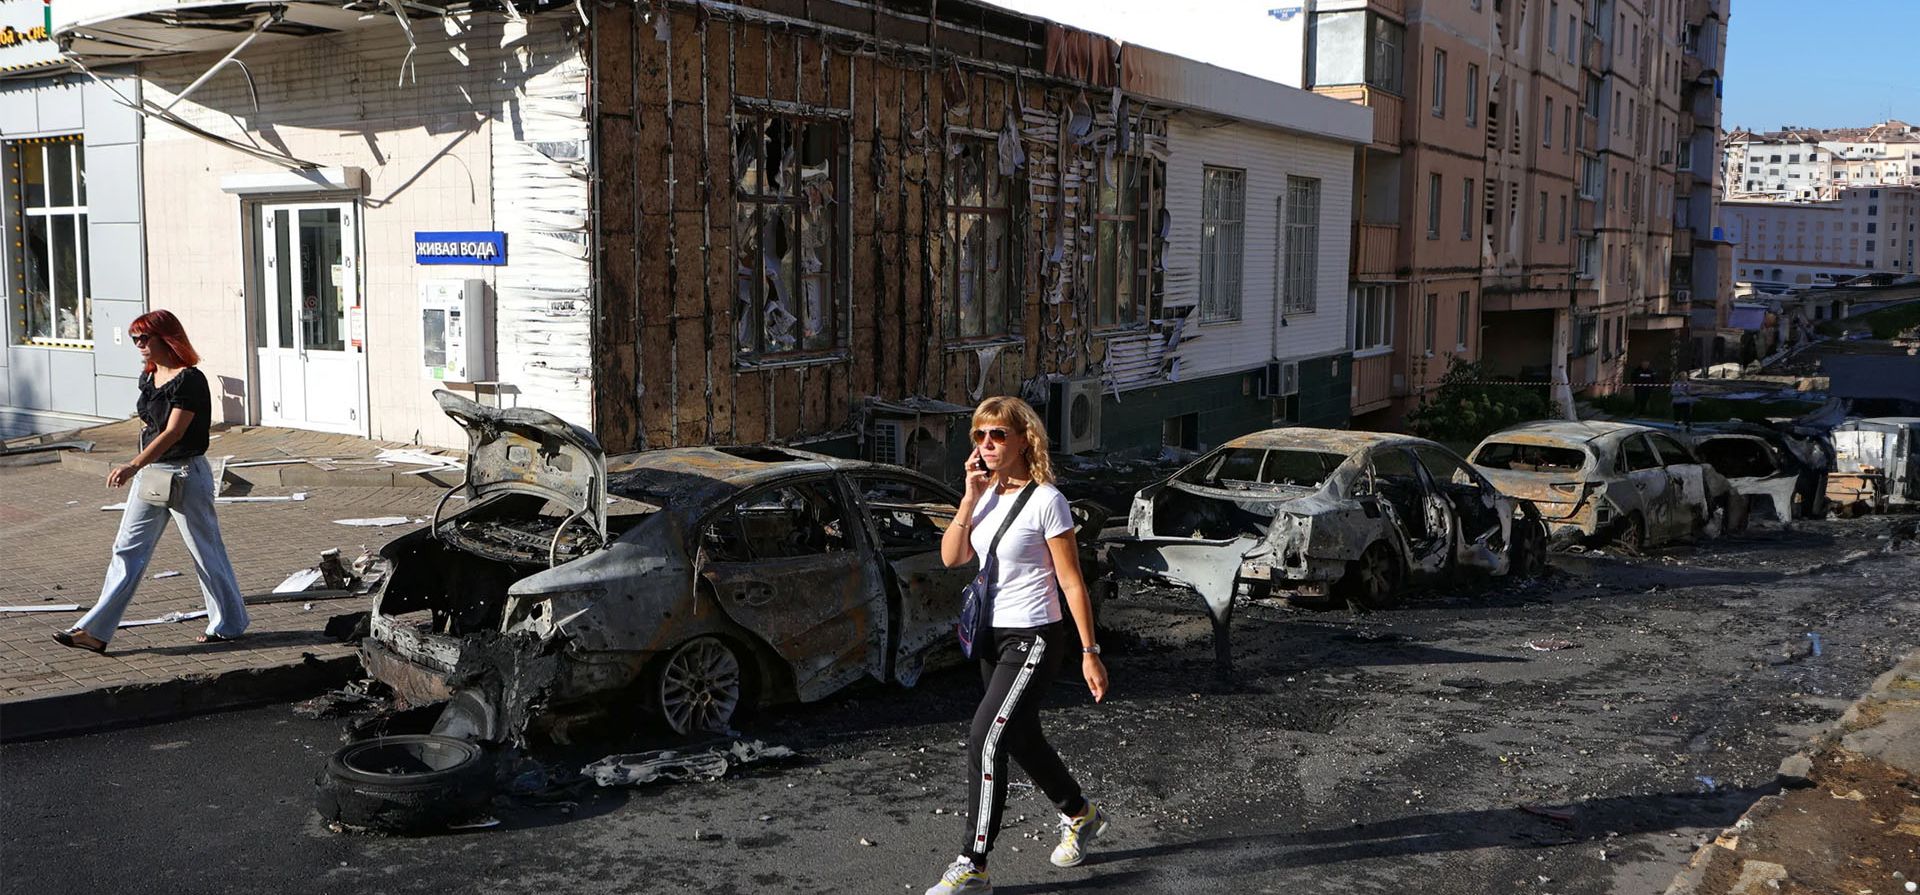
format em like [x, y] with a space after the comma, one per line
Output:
[66, 638]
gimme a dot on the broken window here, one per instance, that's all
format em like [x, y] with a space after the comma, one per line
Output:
[979, 279]
[1223, 224]
[1518, 457]
[1241, 467]
[1123, 199]
[1636, 455]
[907, 516]
[49, 206]
[792, 520]
[1739, 457]
[788, 173]
[1672, 452]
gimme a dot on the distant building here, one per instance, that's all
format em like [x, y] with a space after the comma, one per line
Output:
[1796, 163]
[1781, 246]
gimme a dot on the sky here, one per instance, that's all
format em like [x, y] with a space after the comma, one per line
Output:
[1812, 63]
[1822, 63]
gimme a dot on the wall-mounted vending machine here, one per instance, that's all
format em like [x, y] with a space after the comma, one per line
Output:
[453, 329]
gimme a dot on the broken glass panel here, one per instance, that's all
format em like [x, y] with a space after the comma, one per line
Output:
[779, 254]
[816, 283]
[967, 276]
[996, 258]
[748, 278]
[747, 137]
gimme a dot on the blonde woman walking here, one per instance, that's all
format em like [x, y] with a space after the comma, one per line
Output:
[1013, 511]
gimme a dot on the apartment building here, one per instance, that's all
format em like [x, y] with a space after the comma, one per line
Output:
[1782, 246]
[1702, 257]
[1795, 163]
[1520, 199]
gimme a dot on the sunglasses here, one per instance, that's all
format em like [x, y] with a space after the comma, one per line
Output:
[140, 338]
[998, 433]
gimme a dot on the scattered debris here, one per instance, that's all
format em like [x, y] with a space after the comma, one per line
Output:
[276, 498]
[375, 521]
[352, 699]
[639, 768]
[50, 607]
[1796, 771]
[477, 824]
[84, 447]
[168, 619]
[298, 581]
[350, 627]
[167, 574]
[1550, 644]
[1707, 784]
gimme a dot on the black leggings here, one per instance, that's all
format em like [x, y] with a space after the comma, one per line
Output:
[1018, 668]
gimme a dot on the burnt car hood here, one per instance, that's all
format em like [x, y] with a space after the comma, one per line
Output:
[524, 451]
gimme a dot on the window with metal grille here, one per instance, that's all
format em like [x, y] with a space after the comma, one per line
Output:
[1223, 224]
[789, 174]
[49, 205]
[1302, 244]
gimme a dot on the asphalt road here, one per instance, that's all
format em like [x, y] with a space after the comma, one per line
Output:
[1387, 753]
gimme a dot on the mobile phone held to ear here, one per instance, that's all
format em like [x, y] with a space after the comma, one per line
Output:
[980, 463]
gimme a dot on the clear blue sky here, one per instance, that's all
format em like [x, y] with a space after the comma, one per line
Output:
[1822, 63]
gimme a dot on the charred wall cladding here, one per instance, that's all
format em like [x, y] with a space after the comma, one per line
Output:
[795, 215]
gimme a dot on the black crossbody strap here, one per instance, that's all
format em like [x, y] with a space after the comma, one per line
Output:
[993, 550]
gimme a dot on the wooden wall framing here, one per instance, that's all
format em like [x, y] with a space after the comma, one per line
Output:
[668, 78]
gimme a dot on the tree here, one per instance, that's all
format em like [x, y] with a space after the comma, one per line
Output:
[1468, 405]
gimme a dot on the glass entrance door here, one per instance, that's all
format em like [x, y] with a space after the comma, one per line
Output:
[312, 376]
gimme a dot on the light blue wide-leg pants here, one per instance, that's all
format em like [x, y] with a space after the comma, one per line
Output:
[141, 525]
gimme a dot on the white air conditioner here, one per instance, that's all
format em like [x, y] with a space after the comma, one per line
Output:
[887, 442]
[1683, 295]
[1280, 379]
[1073, 415]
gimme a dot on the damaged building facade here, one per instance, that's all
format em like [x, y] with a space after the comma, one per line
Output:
[806, 205]
[358, 207]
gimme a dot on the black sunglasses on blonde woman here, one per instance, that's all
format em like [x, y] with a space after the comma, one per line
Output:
[997, 434]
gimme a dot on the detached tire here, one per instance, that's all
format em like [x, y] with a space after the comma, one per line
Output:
[411, 783]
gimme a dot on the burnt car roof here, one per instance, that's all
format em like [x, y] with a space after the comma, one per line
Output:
[695, 478]
[1345, 441]
[1582, 431]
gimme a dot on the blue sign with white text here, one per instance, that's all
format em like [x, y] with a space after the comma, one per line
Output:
[460, 247]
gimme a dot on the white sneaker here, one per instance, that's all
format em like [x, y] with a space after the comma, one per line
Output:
[962, 876]
[1076, 833]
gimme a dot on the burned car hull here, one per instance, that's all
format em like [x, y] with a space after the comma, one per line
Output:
[1311, 514]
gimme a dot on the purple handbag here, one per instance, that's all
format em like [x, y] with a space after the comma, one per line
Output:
[977, 602]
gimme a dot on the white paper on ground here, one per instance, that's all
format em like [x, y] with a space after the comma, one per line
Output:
[50, 607]
[298, 581]
[167, 574]
[374, 521]
[167, 619]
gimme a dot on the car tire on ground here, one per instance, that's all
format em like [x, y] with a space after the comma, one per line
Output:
[1632, 536]
[701, 686]
[1529, 547]
[407, 783]
[1373, 580]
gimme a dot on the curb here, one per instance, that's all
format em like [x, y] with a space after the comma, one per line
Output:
[292, 475]
[109, 708]
[1903, 673]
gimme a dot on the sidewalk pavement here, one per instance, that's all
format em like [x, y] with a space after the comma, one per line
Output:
[54, 545]
[266, 456]
[1848, 820]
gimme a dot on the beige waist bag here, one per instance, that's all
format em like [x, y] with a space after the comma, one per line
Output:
[160, 487]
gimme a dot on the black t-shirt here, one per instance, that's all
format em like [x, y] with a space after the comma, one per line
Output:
[187, 391]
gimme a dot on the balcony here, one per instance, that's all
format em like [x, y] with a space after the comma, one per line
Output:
[1372, 382]
[1385, 106]
[1375, 248]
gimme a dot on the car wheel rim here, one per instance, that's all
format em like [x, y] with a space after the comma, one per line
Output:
[1378, 581]
[700, 687]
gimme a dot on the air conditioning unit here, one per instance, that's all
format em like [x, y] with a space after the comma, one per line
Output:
[1280, 379]
[1073, 415]
[887, 442]
[1683, 295]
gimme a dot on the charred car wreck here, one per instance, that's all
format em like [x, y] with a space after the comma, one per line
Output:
[1317, 513]
[680, 586]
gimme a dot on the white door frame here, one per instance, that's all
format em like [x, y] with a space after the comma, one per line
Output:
[283, 373]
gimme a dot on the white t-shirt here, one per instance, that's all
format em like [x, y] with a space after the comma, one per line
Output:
[1023, 593]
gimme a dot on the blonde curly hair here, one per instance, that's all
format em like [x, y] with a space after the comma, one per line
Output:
[1020, 416]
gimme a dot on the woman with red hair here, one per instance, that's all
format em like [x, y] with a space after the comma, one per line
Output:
[170, 477]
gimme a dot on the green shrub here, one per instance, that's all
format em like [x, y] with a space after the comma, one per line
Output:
[1466, 407]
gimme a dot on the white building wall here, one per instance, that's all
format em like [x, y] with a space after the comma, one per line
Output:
[433, 144]
[1268, 157]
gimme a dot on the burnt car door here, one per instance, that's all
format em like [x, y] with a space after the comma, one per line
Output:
[1482, 542]
[1424, 516]
[786, 562]
[1687, 477]
[1643, 470]
[908, 518]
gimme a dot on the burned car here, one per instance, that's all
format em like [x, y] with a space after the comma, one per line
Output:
[1785, 475]
[1594, 482]
[677, 585]
[1321, 512]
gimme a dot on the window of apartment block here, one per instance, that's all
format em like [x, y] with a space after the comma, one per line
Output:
[1553, 28]
[1466, 208]
[1302, 244]
[1873, 209]
[1223, 226]
[1546, 125]
[1540, 218]
[1563, 220]
[1473, 97]
[1587, 258]
[1566, 130]
[1872, 227]
[980, 280]
[49, 196]
[1433, 206]
[1372, 318]
[1573, 39]
[1439, 83]
[1615, 113]
[1432, 322]
[1356, 47]
[786, 233]
[1462, 320]
[1606, 339]
[1124, 194]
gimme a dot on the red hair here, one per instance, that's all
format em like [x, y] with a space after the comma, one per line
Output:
[167, 331]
